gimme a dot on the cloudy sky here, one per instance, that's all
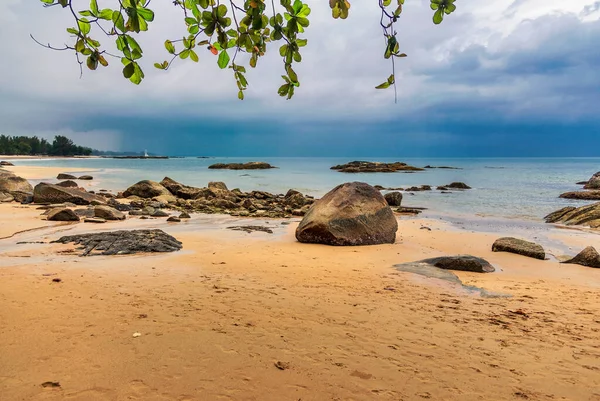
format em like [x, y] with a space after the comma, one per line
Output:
[496, 78]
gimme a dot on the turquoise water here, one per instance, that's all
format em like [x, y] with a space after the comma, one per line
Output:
[502, 187]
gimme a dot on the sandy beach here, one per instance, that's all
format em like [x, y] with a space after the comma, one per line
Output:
[237, 316]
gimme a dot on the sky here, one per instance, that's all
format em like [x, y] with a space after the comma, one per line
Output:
[498, 78]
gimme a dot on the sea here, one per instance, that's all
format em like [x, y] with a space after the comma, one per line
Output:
[508, 188]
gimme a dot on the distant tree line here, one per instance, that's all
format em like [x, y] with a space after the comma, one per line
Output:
[32, 146]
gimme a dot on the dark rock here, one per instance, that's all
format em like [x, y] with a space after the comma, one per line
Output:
[581, 195]
[588, 257]
[185, 215]
[418, 189]
[24, 198]
[159, 213]
[594, 182]
[63, 176]
[5, 163]
[68, 184]
[61, 214]
[49, 193]
[350, 214]
[108, 213]
[84, 212]
[457, 185]
[94, 220]
[121, 207]
[520, 247]
[146, 189]
[442, 188]
[588, 215]
[137, 212]
[217, 185]
[581, 183]
[374, 167]
[242, 166]
[295, 201]
[444, 167]
[123, 242]
[393, 198]
[250, 229]
[180, 190]
[461, 262]
[409, 210]
[291, 192]
[86, 177]
[174, 219]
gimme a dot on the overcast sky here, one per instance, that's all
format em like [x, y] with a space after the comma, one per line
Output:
[496, 78]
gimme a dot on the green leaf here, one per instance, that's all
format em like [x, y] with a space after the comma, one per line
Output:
[159, 66]
[169, 46]
[391, 79]
[146, 14]
[106, 14]
[184, 54]
[191, 21]
[292, 74]
[94, 6]
[384, 85]
[117, 19]
[301, 42]
[92, 63]
[221, 10]
[223, 60]
[79, 45]
[86, 13]
[241, 95]
[73, 31]
[84, 26]
[129, 70]
[193, 56]
[438, 16]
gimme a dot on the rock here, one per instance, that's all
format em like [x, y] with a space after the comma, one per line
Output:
[393, 198]
[6, 197]
[594, 182]
[108, 213]
[122, 207]
[94, 220]
[5, 163]
[520, 247]
[444, 167]
[295, 201]
[588, 257]
[12, 183]
[457, 185]
[353, 213]
[242, 166]
[84, 212]
[460, 262]
[165, 199]
[123, 242]
[410, 210]
[581, 195]
[146, 189]
[159, 213]
[185, 215]
[24, 198]
[374, 167]
[217, 186]
[174, 219]
[250, 229]
[86, 177]
[68, 184]
[63, 176]
[180, 190]
[61, 214]
[588, 215]
[49, 193]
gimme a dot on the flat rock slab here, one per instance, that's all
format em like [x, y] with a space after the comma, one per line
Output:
[250, 229]
[589, 257]
[374, 167]
[520, 247]
[466, 263]
[581, 195]
[588, 215]
[123, 242]
[242, 166]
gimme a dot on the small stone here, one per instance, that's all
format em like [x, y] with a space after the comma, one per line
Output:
[86, 177]
[51, 384]
[185, 215]
[56, 280]
[174, 219]
[282, 365]
[94, 220]
[136, 335]
[160, 213]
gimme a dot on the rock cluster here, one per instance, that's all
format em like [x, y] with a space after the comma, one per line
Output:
[242, 166]
[588, 215]
[374, 167]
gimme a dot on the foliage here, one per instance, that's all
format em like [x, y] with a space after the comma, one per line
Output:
[30, 146]
[224, 28]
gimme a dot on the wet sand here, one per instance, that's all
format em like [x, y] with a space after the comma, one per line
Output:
[237, 316]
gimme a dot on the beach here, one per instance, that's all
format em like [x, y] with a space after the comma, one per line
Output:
[258, 316]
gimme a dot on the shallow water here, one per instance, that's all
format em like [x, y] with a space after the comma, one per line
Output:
[519, 188]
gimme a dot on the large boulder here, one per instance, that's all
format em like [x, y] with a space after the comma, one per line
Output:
[353, 213]
[68, 184]
[63, 176]
[466, 263]
[108, 213]
[123, 242]
[393, 198]
[217, 185]
[10, 183]
[180, 190]
[49, 193]
[588, 257]
[5, 163]
[62, 214]
[588, 215]
[581, 195]
[594, 182]
[520, 247]
[146, 189]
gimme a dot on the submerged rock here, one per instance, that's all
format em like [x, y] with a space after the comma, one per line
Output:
[63, 176]
[520, 247]
[588, 257]
[86, 177]
[374, 167]
[250, 229]
[457, 185]
[460, 262]
[242, 166]
[581, 195]
[393, 198]
[353, 213]
[61, 214]
[146, 189]
[123, 242]
[50, 193]
[588, 215]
